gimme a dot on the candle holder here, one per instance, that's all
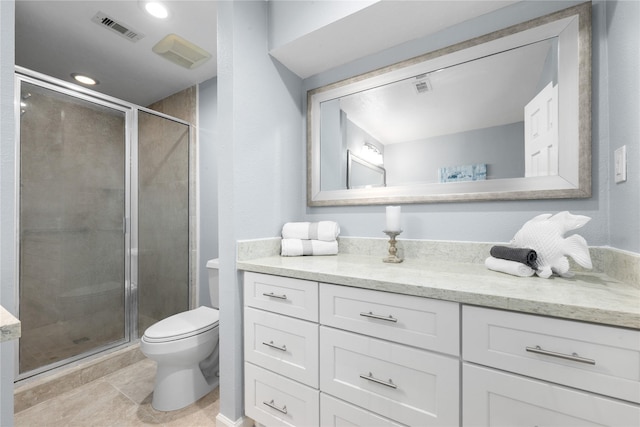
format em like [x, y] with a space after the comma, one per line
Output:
[392, 258]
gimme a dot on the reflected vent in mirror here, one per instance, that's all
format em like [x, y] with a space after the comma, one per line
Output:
[117, 27]
[422, 84]
[182, 52]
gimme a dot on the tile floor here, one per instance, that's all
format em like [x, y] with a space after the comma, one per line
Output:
[121, 399]
[60, 340]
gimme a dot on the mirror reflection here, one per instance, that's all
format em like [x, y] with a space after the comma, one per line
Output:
[463, 122]
[502, 116]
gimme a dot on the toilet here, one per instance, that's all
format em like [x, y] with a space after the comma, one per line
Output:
[185, 347]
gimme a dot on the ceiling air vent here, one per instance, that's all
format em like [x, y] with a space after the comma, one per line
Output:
[117, 27]
[422, 84]
[181, 51]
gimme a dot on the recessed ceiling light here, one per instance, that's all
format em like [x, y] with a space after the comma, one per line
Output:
[156, 9]
[86, 80]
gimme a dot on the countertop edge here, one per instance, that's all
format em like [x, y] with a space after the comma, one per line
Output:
[558, 308]
[10, 328]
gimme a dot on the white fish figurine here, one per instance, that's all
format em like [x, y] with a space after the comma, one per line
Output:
[545, 235]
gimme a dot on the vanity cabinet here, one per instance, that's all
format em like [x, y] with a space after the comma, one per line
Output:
[380, 359]
[409, 385]
[281, 350]
[419, 322]
[545, 371]
[378, 352]
[331, 355]
[336, 412]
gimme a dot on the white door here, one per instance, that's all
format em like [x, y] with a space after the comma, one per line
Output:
[541, 133]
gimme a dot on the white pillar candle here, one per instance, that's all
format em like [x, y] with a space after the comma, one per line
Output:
[393, 218]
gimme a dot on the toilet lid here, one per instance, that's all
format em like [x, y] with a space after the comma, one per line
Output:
[183, 325]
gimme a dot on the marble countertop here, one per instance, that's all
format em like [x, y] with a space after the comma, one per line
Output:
[590, 297]
[9, 326]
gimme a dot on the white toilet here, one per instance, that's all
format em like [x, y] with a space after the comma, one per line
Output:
[185, 346]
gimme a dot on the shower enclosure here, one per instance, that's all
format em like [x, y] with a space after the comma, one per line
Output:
[103, 221]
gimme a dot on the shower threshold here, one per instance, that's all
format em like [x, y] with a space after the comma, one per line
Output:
[31, 391]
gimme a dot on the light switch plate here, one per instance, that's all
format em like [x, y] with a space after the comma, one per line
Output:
[620, 164]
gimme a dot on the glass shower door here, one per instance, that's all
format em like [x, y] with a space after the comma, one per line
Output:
[163, 218]
[72, 243]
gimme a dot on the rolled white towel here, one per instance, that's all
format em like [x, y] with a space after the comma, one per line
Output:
[322, 230]
[510, 267]
[299, 247]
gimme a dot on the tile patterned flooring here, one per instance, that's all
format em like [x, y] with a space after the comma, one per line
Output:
[122, 398]
[60, 340]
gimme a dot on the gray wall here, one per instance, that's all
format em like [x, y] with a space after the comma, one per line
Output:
[618, 68]
[550, 69]
[259, 152]
[613, 208]
[501, 148]
[7, 206]
[207, 183]
[356, 136]
[333, 158]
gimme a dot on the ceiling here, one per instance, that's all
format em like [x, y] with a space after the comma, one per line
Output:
[379, 26]
[58, 38]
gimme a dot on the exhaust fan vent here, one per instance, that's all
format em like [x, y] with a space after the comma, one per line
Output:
[181, 51]
[422, 84]
[117, 27]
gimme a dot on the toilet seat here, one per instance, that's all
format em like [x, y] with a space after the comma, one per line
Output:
[182, 325]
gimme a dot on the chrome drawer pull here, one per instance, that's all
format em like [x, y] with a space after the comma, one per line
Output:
[573, 357]
[272, 405]
[272, 295]
[370, 377]
[272, 345]
[389, 318]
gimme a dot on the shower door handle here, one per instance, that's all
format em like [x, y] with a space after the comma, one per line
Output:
[125, 225]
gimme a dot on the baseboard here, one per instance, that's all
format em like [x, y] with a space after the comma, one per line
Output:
[243, 421]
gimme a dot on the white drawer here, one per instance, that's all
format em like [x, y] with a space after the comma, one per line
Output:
[293, 297]
[282, 344]
[607, 359]
[337, 413]
[273, 400]
[415, 321]
[494, 398]
[408, 385]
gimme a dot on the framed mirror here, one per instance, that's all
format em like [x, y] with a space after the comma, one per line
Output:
[504, 116]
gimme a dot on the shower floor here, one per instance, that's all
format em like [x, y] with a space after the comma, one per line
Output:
[68, 338]
[65, 339]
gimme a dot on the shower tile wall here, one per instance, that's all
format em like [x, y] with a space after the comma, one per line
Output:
[163, 219]
[177, 239]
[71, 209]
[183, 105]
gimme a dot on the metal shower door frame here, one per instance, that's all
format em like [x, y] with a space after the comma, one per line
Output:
[130, 220]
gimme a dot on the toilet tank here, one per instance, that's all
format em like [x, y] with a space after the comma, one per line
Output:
[214, 282]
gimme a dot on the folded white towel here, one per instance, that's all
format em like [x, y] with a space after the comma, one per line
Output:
[510, 267]
[322, 230]
[299, 247]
